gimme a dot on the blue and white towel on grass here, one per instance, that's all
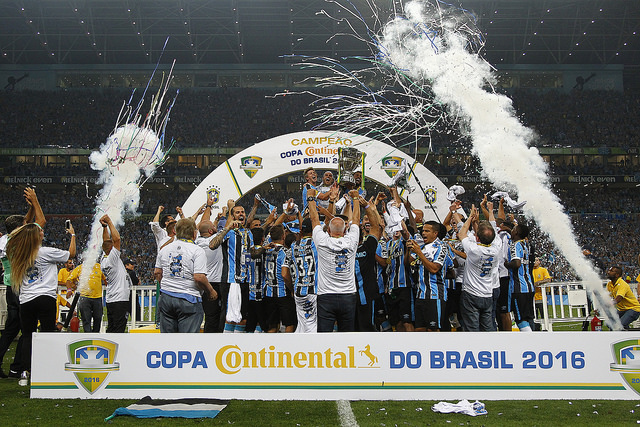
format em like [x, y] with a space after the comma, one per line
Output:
[174, 408]
[463, 407]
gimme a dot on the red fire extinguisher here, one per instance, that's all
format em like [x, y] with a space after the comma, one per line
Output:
[74, 324]
[596, 323]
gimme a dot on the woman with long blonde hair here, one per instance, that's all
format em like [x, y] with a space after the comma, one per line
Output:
[34, 277]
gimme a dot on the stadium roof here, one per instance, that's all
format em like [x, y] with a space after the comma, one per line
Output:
[261, 31]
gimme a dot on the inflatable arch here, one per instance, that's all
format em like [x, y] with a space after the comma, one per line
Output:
[295, 152]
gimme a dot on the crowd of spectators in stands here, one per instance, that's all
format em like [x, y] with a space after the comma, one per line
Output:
[240, 117]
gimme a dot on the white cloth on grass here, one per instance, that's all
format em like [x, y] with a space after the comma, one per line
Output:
[462, 407]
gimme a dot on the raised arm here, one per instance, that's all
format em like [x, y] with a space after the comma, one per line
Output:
[254, 209]
[491, 216]
[464, 231]
[355, 215]
[483, 207]
[313, 210]
[180, 213]
[158, 212]
[334, 195]
[72, 242]
[374, 217]
[501, 213]
[455, 205]
[115, 236]
[34, 207]
[219, 238]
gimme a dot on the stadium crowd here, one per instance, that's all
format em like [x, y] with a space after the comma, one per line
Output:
[244, 116]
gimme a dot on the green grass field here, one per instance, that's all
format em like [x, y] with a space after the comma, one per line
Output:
[18, 410]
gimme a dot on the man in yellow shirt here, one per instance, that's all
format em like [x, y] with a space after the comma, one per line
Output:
[540, 277]
[90, 302]
[626, 303]
[65, 272]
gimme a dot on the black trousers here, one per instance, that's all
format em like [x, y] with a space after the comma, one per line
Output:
[117, 315]
[11, 330]
[43, 309]
[212, 310]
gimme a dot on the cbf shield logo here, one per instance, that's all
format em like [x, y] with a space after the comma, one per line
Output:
[391, 165]
[213, 193]
[251, 165]
[430, 194]
[627, 361]
[91, 361]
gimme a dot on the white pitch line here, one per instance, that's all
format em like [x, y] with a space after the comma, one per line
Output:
[347, 419]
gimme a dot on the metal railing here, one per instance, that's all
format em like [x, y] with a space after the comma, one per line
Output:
[563, 302]
[146, 296]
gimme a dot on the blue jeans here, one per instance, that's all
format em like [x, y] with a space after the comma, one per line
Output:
[476, 313]
[179, 315]
[90, 313]
[339, 308]
[627, 317]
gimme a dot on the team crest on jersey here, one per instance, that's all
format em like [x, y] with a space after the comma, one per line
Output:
[213, 192]
[251, 165]
[430, 194]
[91, 361]
[391, 165]
[626, 356]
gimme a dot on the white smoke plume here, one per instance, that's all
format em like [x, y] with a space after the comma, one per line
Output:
[432, 45]
[130, 155]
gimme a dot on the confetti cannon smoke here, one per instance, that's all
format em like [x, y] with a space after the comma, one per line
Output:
[435, 45]
[126, 160]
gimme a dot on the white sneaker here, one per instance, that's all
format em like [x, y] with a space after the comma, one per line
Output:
[24, 379]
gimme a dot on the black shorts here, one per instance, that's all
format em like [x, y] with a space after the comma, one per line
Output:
[400, 305]
[280, 310]
[257, 316]
[453, 301]
[504, 300]
[430, 313]
[522, 304]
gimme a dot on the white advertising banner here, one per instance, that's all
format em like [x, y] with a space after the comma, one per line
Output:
[399, 366]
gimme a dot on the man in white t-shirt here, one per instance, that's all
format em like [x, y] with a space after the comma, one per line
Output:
[181, 267]
[118, 280]
[159, 227]
[212, 307]
[483, 253]
[336, 248]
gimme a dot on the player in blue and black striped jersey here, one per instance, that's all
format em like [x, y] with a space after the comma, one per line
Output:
[277, 296]
[310, 182]
[431, 292]
[256, 315]
[520, 282]
[237, 245]
[301, 272]
[400, 297]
